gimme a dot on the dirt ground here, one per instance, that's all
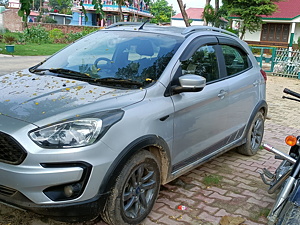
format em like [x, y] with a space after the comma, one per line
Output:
[279, 112]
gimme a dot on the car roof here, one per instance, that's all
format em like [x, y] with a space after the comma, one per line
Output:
[171, 30]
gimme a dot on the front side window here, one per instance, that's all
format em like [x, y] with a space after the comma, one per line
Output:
[236, 60]
[203, 63]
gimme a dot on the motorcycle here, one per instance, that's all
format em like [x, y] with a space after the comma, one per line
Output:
[286, 178]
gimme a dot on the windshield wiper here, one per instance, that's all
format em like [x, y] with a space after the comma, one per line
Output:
[65, 73]
[120, 81]
[71, 74]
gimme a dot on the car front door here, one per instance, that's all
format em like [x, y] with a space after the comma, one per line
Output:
[200, 118]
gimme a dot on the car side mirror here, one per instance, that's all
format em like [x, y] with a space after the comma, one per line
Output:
[189, 83]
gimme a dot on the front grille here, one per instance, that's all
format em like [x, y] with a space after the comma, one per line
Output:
[7, 191]
[10, 150]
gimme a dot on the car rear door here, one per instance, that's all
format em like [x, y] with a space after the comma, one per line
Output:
[243, 79]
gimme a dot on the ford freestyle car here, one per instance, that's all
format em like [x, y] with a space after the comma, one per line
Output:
[96, 128]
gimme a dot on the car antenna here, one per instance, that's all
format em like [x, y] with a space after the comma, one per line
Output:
[141, 27]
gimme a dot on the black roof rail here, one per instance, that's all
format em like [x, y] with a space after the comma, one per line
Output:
[138, 24]
[119, 24]
[191, 29]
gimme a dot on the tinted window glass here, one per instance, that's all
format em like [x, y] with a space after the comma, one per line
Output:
[235, 59]
[203, 63]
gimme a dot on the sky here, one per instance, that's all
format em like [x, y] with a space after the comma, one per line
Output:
[189, 4]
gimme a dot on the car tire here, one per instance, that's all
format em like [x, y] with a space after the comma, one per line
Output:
[135, 191]
[254, 136]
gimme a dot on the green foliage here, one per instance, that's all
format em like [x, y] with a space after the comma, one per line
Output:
[62, 6]
[232, 30]
[71, 37]
[48, 19]
[24, 10]
[209, 14]
[213, 17]
[39, 35]
[161, 11]
[298, 42]
[36, 34]
[9, 38]
[88, 30]
[56, 36]
[250, 11]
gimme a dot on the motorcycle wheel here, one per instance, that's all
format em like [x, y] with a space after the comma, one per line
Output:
[291, 216]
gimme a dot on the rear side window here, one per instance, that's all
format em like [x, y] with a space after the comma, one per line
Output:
[203, 63]
[236, 60]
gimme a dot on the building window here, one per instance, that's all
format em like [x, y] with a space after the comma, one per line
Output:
[275, 32]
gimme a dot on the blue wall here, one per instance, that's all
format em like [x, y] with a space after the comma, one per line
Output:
[90, 22]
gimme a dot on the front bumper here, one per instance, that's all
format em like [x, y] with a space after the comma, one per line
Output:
[66, 212]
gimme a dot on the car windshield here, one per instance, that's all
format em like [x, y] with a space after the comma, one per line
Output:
[135, 59]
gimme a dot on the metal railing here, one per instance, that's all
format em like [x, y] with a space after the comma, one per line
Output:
[287, 63]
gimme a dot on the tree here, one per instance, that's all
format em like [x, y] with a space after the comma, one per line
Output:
[212, 16]
[161, 11]
[217, 6]
[250, 11]
[184, 14]
[206, 12]
[209, 15]
[64, 6]
[120, 4]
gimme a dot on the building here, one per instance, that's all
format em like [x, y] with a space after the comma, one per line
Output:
[137, 11]
[194, 14]
[282, 29]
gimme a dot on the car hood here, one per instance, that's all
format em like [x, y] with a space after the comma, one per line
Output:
[33, 98]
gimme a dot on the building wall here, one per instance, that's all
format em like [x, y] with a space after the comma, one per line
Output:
[12, 21]
[1, 22]
[78, 18]
[252, 36]
[180, 23]
[297, 33]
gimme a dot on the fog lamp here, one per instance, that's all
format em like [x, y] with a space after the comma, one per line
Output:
[73, 189]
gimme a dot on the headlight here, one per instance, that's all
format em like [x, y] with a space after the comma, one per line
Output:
[77, 132]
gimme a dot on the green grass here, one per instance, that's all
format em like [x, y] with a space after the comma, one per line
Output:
[33, 49]
[212, 180]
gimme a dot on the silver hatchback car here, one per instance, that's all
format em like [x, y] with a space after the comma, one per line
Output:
[99, 126]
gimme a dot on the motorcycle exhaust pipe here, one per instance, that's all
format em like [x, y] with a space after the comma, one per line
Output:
[280, 181]
[279, 153]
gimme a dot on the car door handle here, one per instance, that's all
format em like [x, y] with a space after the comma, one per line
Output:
[255, 83]
[222, 94]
